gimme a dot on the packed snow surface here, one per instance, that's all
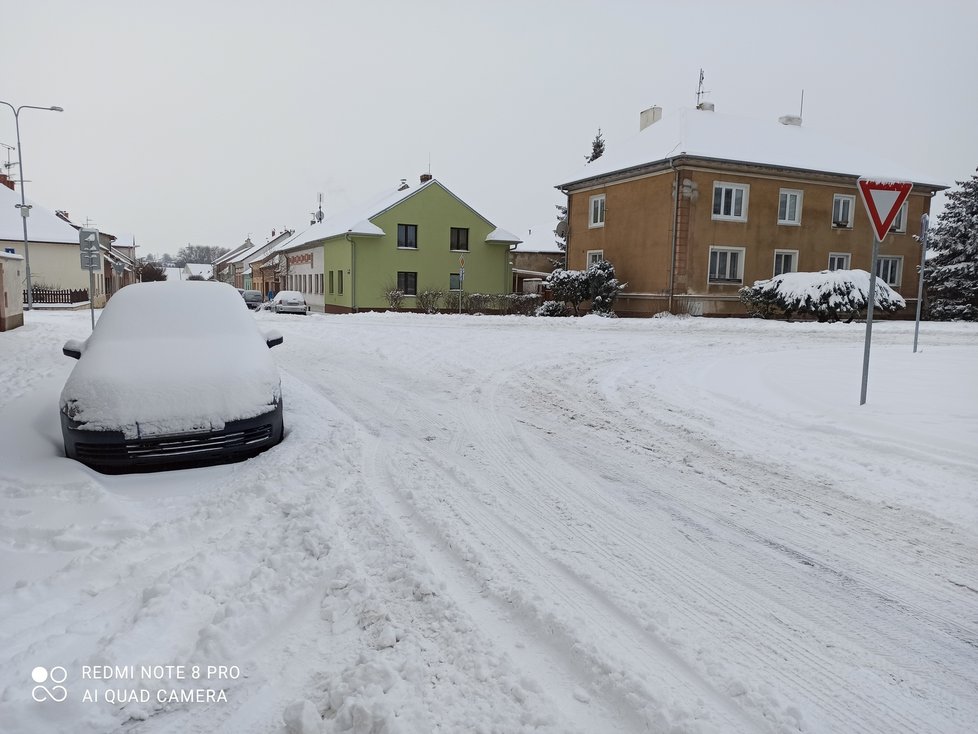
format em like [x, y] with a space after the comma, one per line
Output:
[482, 524]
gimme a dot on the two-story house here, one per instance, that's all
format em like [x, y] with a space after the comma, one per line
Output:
[700, 204]
[412, 239]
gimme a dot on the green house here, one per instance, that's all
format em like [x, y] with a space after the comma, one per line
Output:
[414, 240]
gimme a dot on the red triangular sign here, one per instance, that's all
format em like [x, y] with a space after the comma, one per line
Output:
[883, 200]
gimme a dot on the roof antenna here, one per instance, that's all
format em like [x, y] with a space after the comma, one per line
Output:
[700, 93]
[801, 108]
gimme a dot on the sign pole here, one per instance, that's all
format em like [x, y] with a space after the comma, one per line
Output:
[870, 302]
[924, 223]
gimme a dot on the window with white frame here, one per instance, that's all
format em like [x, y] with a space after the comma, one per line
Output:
[889, 269]
[785, 261]
[594, 256]
[730, 201]
[843, 210]
[726, 264]
[596, 205]
[789, 206]
[899, 223]
[839, 260]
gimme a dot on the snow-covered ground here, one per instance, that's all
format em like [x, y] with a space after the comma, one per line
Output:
[511, 524]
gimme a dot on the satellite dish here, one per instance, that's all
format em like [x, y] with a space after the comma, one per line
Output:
[561, 229]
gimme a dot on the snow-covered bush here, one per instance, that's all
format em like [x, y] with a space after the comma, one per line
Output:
[427, 300]
[827, 295]
[597, 284]
[521, 304]
[603, 287]
[568, 286]
[952, 274]
[393, 296]
[552, 308]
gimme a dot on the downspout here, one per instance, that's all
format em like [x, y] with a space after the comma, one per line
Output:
[353, 272]
[677, 188]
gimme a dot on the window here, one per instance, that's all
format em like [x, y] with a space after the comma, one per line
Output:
[789, 207]
[785, 261]
[730, 201]
[407, 283]
[460, 238]
[331, 281]
[888, 268]
[454, 282]
[842, 211]
[407, 235]
[839, 260]
[726, 264]
[596, 207]
[594, 256]
[339, 282]
[899, 223]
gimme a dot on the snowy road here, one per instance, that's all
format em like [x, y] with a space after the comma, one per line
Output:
[500, 525]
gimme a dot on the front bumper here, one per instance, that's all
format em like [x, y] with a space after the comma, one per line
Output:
[110, 452]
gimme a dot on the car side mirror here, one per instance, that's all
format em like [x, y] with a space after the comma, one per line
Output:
[273, 339]
[73, 348]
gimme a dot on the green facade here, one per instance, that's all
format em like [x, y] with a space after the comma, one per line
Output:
[435, 211]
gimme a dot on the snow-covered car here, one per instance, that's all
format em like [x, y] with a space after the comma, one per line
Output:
[174, 375]
[252, 299]
[289, 302]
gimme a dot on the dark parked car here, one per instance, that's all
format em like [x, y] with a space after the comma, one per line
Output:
[252, 299]
[174, 375]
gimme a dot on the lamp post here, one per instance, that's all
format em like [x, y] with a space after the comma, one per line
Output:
[25, 211]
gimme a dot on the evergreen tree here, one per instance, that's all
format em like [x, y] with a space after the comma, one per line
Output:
[561, 217]
[150, 271]
[597, 147]
[952, 273]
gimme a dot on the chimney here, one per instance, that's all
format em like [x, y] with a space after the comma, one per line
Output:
[403, 185]
[5, 180]
[647, 117]
[705, 106]
[425, 177]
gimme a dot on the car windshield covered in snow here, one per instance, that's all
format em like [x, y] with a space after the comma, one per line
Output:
[171, 359]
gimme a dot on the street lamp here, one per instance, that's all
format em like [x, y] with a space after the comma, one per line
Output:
[25, 211]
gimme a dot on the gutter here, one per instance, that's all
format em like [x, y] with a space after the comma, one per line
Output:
[353, 272]
[675, 231]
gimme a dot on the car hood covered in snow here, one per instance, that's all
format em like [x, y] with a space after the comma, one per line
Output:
[171, 358]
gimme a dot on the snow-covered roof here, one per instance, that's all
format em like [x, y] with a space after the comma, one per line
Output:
[356, 220]
[204, 270]
[540, 238]
[11, 256]
[501, 235]
[231, 255]
[711, 135]
[173, 274]
[43, 225]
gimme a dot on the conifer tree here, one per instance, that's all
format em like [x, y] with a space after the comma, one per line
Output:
[597, 147]
[952, 273]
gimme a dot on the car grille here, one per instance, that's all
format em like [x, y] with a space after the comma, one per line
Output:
[173, 448]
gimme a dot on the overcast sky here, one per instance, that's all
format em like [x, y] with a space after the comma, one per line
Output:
[205, 122]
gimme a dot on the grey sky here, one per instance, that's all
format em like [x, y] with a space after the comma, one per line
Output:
[203, 122]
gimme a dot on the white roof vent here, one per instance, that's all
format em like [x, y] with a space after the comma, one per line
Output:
[649, 117]
[707, 106]
[790, 120]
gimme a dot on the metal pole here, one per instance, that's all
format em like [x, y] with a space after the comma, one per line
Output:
[91, 288]
[924, 223]
[871, 300]
[25, 210]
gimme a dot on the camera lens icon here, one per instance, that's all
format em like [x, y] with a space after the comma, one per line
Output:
[56, 693]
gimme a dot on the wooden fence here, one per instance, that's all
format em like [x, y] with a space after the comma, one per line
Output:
[65, 295]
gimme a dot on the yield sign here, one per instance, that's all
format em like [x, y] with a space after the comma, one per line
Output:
[883, 200]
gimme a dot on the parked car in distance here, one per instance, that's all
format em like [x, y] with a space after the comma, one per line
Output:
[252, 299]
[289, 302]
[174, 375]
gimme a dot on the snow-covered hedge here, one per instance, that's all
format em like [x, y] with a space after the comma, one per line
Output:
[597, 284]
[828, 295]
